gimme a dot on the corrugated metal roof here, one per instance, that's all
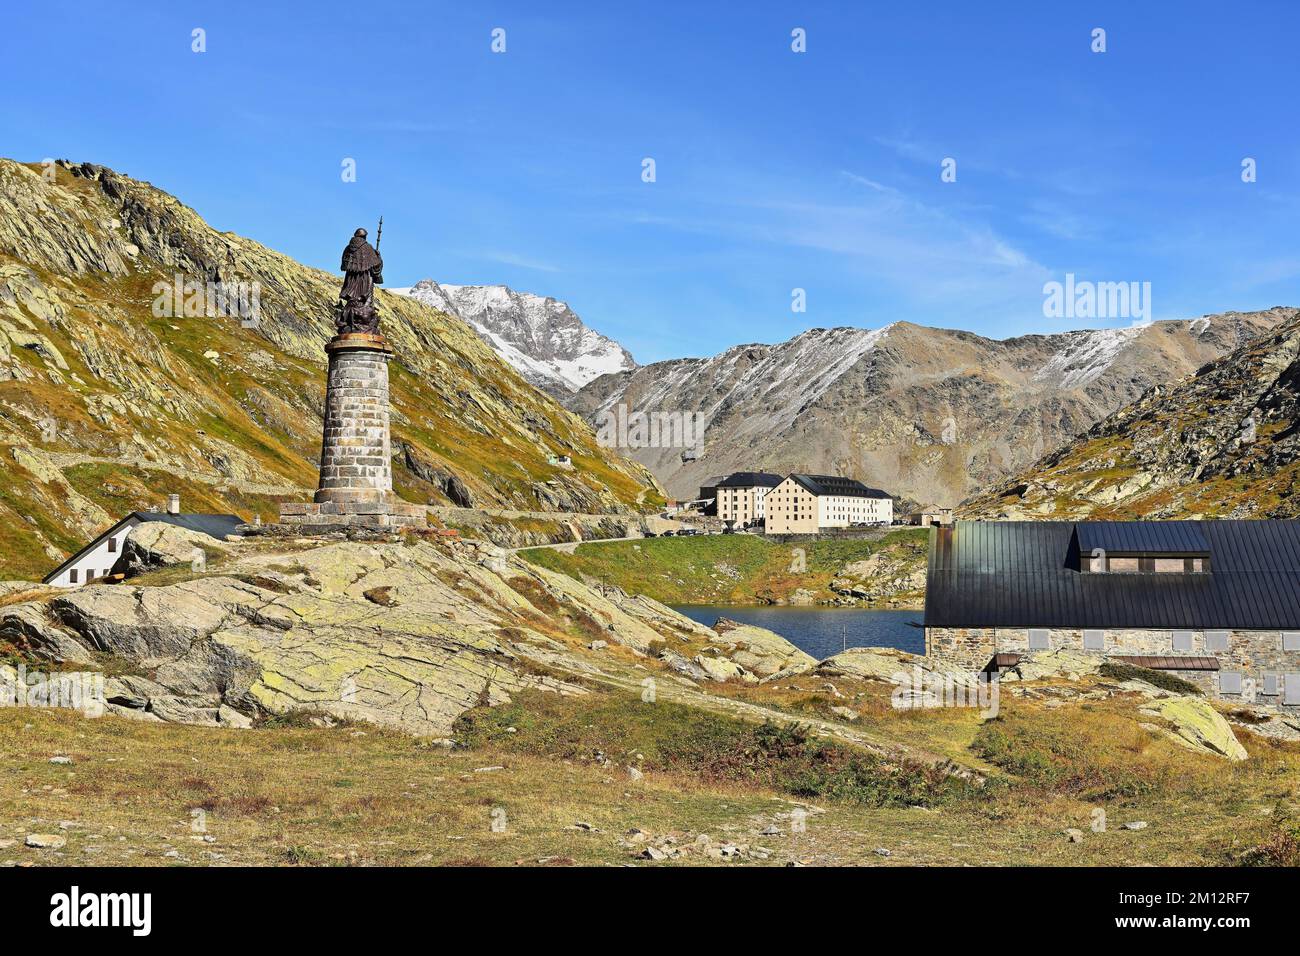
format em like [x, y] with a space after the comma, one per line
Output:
[1024, 574]
[1141, 537]
[1168, 662]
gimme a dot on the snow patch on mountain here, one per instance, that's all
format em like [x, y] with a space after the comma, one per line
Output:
[1086, 357]
[540, 336]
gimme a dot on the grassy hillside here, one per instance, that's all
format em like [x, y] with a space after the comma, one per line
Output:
[552, 772]
[749, 569]
[107, 406]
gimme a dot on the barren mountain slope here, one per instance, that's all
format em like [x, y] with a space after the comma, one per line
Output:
[930, 414]
[1223, 443]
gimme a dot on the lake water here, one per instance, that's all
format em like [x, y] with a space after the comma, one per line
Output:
[822, 632]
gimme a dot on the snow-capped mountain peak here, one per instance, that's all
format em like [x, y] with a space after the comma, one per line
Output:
[540, 336]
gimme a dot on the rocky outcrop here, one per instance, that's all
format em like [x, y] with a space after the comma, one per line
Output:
[1198, 726]
[761, 651]
[156, 544]
[404, 633]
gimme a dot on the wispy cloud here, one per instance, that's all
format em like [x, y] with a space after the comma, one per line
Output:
[522, 262]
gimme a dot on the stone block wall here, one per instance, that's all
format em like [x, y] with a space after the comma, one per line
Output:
[356, 463]
[1252, 654]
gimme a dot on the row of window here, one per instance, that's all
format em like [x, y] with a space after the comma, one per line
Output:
[1099, 563]
[1040, 640]
[74, 575]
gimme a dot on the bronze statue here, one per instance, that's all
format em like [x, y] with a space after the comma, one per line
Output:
[355, 311]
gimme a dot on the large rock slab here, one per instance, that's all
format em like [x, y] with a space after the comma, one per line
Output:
[761, 651]
[157, 544]
[1198, 726]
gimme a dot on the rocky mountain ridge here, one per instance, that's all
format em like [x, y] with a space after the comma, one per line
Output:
[541, 337]
[931, 415]
[121, 379]
[1223, 443]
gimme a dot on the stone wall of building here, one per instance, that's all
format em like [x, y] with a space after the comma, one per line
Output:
[1254, 655]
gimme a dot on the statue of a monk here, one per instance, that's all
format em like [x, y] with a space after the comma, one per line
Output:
[356, 308]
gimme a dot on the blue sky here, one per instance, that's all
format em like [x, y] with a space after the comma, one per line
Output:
[775, 170]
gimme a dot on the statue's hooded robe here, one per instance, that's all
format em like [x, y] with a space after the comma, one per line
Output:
[364, 268]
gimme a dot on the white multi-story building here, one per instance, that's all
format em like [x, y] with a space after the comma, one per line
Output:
[806, 504]
[740, 496]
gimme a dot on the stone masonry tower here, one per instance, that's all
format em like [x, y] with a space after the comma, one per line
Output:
[356, 471]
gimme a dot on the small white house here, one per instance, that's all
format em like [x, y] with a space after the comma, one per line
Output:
[100, 557]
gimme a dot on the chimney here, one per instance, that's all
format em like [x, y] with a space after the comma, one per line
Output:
[173, 504]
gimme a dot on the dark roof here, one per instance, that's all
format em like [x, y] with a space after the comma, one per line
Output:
[1025, 574]
[218, 526]
[1169, 662]
[750, 479]
[1141, 537]
[835, 485]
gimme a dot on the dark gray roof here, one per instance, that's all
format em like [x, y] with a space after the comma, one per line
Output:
[1141, 537]
[1025, 574]
[835, 485]
[750, 479]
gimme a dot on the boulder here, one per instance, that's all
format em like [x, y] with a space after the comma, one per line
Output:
[761, 651]
[1198, 726]
[883, 663]
[722, 669]
[156, 544]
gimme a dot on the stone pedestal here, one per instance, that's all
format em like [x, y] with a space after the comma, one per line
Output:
[356, 472]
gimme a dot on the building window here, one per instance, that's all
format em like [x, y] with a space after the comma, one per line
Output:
[1039, 640]
[1216, 640]
[1094, 640]
[1291, 640]
[1291, 689]
[1183, 642]
[1124, 564]
[1271, 682]
[112, 545]
[72, 576]
[1230, 682]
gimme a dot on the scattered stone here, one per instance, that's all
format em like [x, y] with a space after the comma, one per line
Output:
[634, 773]
[487, 769]
[770, 830]
[597, 645]
[1136, 825]
[61, 760]
[653, 853]
[45, 841]
[881, 851]
[847, 713]
[1073, 835]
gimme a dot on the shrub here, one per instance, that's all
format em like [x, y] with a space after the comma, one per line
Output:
[1171, 682]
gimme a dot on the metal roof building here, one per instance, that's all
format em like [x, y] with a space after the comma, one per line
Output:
[1246, 575]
